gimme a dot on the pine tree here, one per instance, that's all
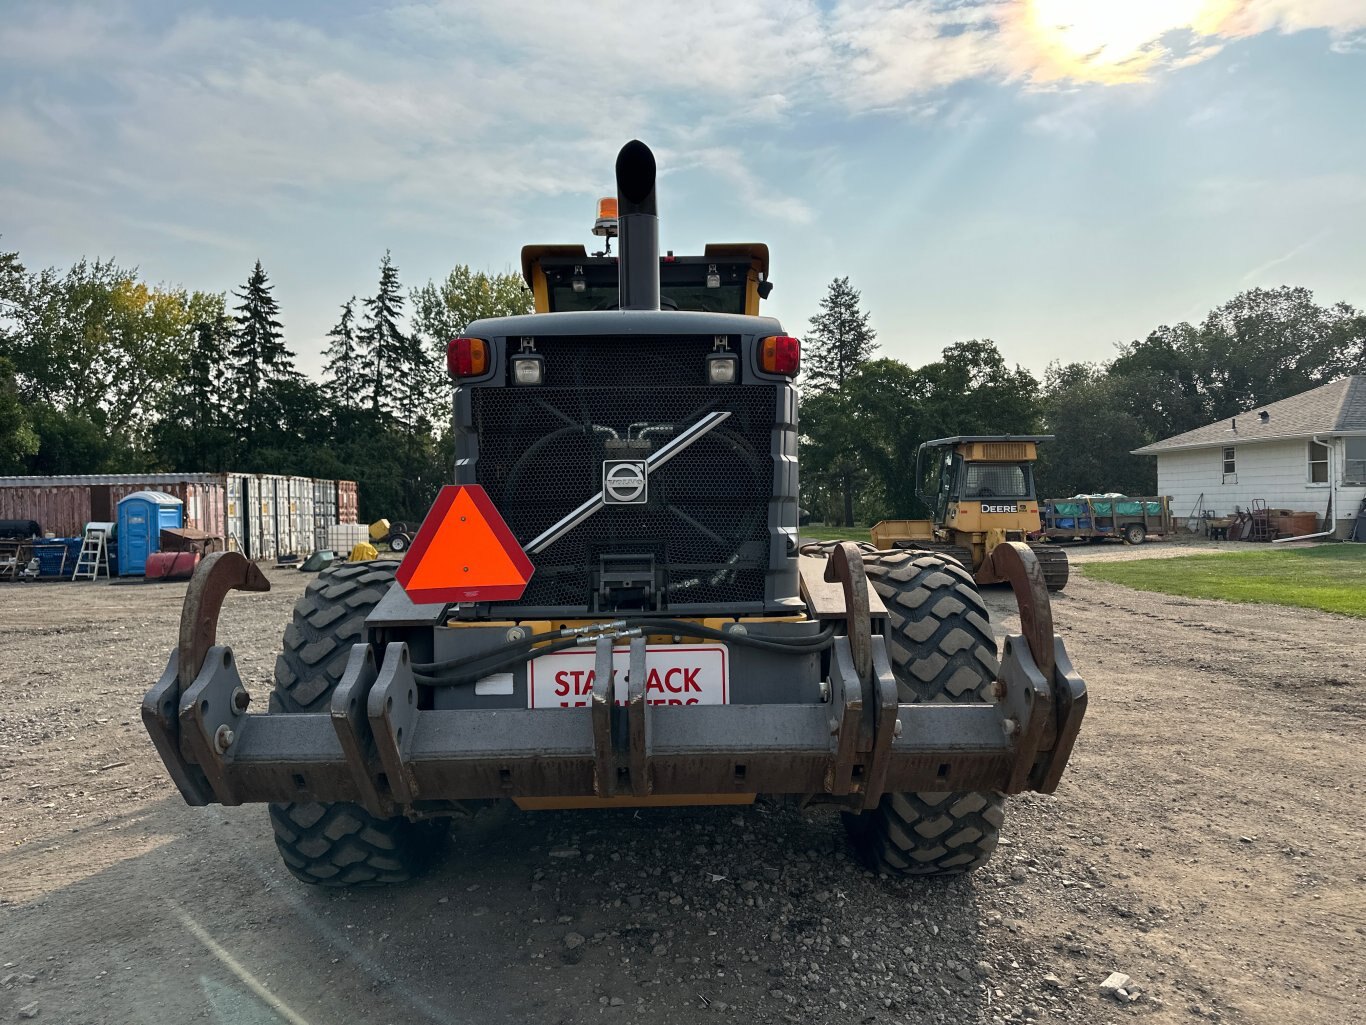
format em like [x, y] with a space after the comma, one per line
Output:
[207, 362]
[839, 341]
[260, 359]
[342, 372]
[392, 355]
[204, 379]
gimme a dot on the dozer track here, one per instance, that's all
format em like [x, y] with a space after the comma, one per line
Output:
[1053, 562]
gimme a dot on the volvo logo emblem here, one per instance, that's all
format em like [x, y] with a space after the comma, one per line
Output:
[624, 482]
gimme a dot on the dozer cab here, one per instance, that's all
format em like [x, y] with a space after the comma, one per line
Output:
[610, 606]
[981, 491]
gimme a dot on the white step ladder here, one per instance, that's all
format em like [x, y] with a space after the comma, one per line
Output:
[94, 555]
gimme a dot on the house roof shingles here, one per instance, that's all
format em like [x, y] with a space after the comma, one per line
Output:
[1329, 409]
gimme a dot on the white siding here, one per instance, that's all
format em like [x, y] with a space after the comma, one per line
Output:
[1275, 471]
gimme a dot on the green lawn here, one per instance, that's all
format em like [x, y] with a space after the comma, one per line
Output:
[1330, 577]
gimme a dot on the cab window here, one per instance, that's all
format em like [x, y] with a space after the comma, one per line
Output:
[683, 286]
[996, 480]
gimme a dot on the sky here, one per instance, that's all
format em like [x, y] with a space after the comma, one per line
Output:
[1057, 175]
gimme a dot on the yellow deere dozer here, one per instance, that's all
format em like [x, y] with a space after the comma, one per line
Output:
[981, 489]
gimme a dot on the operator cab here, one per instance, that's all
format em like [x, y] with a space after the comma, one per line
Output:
[996, 472]
[726, 278]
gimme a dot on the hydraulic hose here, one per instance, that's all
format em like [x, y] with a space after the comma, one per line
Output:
[459, 672]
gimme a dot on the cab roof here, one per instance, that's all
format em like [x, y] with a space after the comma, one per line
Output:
[963, 439]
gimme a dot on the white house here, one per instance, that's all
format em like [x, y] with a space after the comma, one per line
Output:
[1299, 453]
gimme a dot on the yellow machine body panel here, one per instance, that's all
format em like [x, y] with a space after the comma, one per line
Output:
[984, 515]
[998, 451]
[886, 532]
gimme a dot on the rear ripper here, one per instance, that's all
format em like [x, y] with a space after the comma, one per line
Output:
[611, 606]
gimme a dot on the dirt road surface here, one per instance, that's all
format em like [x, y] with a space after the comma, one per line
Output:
[1207, 842]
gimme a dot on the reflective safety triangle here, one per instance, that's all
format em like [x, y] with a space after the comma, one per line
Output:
[464, 552]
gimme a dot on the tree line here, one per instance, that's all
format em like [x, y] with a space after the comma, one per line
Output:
[862, 416]
[101, 372]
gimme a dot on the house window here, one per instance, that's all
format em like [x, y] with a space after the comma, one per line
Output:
[1355, 470]
[1318, 463]
[1230, 467]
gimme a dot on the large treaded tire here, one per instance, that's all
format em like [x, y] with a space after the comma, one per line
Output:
[958, 553]
[939, 635]
[941, 647]
[344, 845]
[329, 617]
[338, 844]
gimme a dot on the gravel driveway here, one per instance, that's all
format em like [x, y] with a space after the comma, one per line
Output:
[1207, 842]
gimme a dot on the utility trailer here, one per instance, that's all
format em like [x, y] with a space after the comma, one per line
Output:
[1102, 517]
[610, 607]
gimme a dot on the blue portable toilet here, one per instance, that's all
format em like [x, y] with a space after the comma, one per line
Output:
[142, 516]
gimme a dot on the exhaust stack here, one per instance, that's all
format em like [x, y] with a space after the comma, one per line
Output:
[637, 228]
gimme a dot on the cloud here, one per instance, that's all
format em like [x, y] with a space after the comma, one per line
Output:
[1258, 273]
[457, 108]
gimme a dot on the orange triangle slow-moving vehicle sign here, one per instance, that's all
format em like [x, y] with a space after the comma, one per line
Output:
[464, 552]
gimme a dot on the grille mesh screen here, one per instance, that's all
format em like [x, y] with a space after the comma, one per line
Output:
[705, 524]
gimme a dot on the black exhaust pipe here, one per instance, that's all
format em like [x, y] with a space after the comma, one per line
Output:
[637, 228]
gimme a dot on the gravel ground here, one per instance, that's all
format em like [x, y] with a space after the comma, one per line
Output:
[1206, 842]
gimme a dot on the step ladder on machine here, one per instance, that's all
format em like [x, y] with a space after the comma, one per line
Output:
[94, 556]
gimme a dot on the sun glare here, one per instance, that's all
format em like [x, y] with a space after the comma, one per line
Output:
[1112, 40]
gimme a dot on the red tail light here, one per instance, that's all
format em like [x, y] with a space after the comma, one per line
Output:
[780, 354]
[467, 357]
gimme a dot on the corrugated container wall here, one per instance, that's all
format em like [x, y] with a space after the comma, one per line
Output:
[324, 510]
[203, 501]
[348, 502]
[261, 542]
[235, 516]
[63, 511]
[301, 514]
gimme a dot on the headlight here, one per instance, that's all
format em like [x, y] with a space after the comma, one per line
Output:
[723, 368]
[528, 369]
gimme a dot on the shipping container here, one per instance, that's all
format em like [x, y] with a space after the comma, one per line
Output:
[261, 515]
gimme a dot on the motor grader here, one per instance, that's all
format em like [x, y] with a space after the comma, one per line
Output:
[981, 491]
[611, 606]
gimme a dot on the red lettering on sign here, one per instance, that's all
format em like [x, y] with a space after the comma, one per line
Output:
[562, 684]
[690, 679]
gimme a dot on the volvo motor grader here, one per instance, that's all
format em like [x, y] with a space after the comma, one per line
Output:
[981, 491]
[611, 606]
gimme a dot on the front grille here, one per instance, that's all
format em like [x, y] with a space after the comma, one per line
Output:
[581, 363]
[705, 525]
